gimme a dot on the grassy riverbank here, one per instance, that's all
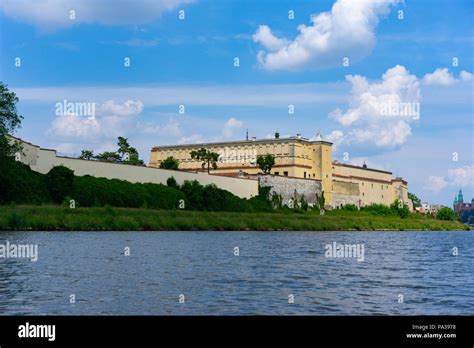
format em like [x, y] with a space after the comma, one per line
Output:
[56, 218]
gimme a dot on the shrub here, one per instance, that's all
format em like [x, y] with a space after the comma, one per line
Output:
[377, 209]
[59, 182]
[445, 214]
[171, 182]
[400, 209]
[349, 207]
[19, 184]
[169, 163]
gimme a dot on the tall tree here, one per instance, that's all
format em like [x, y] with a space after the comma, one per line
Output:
[124, 154]
[266, 162]
[86, 154]
[128, 154]
[416, 201]
[207, 157]
[10, 121]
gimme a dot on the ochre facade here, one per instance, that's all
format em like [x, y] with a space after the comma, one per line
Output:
[299, 158]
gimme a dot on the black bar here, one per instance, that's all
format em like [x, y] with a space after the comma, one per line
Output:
[194, 330]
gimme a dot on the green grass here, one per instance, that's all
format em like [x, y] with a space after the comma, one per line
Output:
[52, 218]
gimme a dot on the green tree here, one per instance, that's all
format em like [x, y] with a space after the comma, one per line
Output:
[445, 214]
[266, 162]
[10, 121]
[416, 201]
[400, 208]
[60, 183]
[207, 157]
[108, 156]
[169, 163]
[125, 154]
[86, 154]
[128, 154]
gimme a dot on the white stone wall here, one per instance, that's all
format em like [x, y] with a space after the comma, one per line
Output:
[42, 160]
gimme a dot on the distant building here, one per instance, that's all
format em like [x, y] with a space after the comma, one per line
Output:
[296, 157]
[464, 210]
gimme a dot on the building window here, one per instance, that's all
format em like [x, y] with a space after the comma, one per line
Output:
[277, 173]
[363, 194]
[304, 175]
[285, 173]
[382, 196]
[362, 184]
[382, 186]
[372, 185]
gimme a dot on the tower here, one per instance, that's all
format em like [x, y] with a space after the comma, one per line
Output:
[460, 197]
[322, 164]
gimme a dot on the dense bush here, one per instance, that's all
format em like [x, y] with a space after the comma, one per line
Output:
[400, 208]
[91, 191]
[349, 207]
[59, 181]
[212, 198]
[377, 209]
[19, 184]
[445, 214]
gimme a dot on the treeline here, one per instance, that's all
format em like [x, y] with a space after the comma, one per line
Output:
[21, 185]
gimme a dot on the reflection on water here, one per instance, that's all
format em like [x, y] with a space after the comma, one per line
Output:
[270, 267]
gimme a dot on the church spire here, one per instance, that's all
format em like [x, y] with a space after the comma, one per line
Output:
[460, 197]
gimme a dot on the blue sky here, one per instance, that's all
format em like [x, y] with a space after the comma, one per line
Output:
[283, 62]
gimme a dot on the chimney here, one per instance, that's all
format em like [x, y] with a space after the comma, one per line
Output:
[277, 135]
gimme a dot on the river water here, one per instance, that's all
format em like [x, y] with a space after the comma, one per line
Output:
[239, 273]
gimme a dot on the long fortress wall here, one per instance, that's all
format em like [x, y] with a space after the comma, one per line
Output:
[42, 160]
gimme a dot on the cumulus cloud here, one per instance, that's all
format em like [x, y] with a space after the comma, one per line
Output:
[229, 127]
[172, 128]
[128, 108]
[347, 30]
[74, 126]
[111, 121]
[456, 177]
[379, 113]
[50, 15]
[442, 77]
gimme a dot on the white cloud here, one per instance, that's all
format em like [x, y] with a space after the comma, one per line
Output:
[265, 36]
[229, 127]
[112, 120]
[128, 108]
[50, 15]
[442, 77]
[462, 176]
[73, 126]
[191, 139]
[255, 95]
[347, 30]
[457, 177]
[435, 184]
[380, 113]
[466, 76]
[170, 128]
